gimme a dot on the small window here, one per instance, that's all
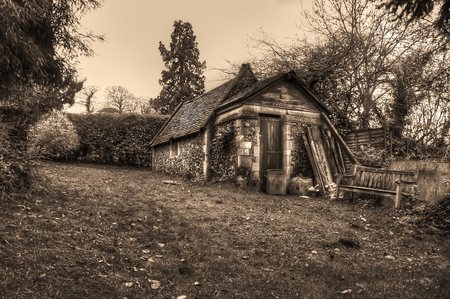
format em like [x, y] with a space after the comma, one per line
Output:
[174, 149]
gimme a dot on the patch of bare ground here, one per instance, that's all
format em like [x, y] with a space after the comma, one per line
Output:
[119, 232]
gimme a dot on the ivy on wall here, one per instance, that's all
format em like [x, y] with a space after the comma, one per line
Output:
[223, 152]
[300, 158]
[188, 164]
[225, 142]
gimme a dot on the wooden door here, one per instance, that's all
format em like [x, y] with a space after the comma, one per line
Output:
[271, 155]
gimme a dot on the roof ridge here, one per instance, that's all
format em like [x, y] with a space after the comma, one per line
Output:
[239, 76]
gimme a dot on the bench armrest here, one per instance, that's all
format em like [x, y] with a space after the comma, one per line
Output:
[345, 175]
[404, 182]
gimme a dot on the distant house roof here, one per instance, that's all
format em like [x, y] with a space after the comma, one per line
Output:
[192, 116]
[108, 110]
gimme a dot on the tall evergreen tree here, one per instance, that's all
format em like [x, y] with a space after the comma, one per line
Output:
[183, 79]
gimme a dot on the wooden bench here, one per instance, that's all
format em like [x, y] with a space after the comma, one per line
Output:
[378, 181]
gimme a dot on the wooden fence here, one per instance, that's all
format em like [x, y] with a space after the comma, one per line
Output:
[375, 137]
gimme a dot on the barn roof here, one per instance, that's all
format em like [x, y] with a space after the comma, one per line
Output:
[192, 116]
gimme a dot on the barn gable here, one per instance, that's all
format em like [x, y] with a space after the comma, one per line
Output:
[284, 91]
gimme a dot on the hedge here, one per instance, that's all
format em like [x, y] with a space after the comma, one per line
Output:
[116, 139]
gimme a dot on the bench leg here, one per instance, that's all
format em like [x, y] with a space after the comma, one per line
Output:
[398, 195]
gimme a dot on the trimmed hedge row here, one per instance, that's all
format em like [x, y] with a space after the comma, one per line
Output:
[117, 139]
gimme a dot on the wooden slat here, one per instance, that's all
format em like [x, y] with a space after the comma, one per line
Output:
[313, 162]
[341, 141]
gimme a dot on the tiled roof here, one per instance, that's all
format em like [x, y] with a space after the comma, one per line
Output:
[191, 115]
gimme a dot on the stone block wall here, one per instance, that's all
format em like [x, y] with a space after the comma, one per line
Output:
[247, 145]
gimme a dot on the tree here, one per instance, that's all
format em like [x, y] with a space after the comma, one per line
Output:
[86, 97]
[183, 79]
[120, 98]
[353, 56]
[413, 10]
[145, 105]
[40, 40]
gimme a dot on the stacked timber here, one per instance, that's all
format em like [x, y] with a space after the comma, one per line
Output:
[325, 156]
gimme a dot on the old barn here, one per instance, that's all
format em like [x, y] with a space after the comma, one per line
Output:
[245, 127]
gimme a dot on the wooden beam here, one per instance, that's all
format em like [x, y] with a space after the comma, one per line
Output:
[339, 139]
[312, 160]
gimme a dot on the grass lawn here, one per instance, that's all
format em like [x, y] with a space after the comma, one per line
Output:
[119, 232]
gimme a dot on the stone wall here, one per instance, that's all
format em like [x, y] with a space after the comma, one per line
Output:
[430, 181]
[188, 164]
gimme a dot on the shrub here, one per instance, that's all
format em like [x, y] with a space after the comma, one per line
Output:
[53, 136]
[116, 138]
[368, 155]
[15, 172]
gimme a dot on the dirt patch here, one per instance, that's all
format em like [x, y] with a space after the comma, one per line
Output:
[120, 232]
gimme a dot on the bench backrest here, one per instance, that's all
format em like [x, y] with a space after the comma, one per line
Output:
[381, 178]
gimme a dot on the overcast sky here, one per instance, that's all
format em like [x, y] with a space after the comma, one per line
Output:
[133, 29]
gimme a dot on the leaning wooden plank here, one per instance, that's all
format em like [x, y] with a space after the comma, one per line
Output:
[334, 153]
[319, 142]
[313, 162]
[329, 155]
[341, 158]
[319, 164]
[341, 141]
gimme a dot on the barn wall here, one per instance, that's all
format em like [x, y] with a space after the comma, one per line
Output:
[430, 181]
[188, 164]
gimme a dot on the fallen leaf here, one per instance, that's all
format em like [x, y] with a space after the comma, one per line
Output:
[155, 284]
